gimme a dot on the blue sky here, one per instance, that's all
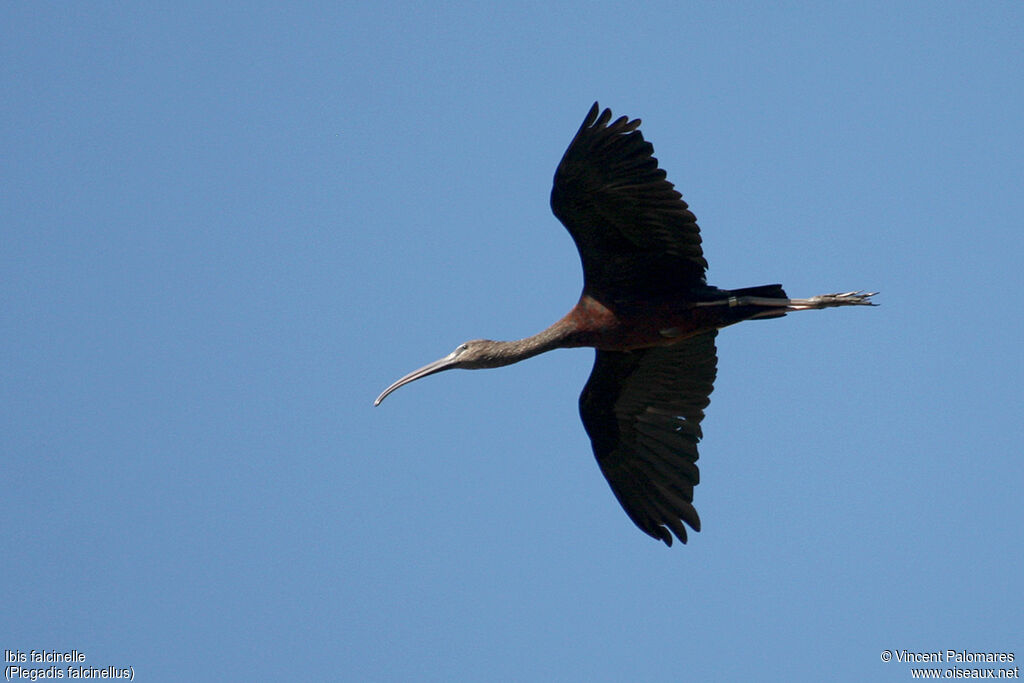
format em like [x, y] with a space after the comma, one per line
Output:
[227, 227]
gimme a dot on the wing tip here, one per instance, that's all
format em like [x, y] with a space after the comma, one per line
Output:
[676, 523]
[661, 533]
[591, 117]
[597, 118]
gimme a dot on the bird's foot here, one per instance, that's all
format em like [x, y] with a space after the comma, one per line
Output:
[829, 300]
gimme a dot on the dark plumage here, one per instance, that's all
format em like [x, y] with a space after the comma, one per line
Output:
[635, 234]
[648, 310]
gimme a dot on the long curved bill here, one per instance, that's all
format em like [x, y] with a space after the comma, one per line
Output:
[429, 369]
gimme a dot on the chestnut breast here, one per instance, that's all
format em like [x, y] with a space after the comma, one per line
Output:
[634, 325]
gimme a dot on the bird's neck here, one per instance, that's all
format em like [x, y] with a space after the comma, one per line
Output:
[508, 352]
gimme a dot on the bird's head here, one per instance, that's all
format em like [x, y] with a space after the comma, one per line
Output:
[476, 353]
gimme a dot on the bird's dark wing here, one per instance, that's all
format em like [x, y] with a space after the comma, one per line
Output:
[642, 410]
[635, 235]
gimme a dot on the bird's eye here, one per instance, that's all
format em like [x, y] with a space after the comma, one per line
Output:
[461, 347]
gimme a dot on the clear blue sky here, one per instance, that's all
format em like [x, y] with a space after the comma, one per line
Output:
[226, 227]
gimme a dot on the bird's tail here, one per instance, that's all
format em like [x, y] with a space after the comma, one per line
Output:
[771, 301]
[752, 303]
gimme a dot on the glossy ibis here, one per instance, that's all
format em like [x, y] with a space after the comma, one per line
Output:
[648, 310]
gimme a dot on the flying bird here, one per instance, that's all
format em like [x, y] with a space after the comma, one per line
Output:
[648, 311]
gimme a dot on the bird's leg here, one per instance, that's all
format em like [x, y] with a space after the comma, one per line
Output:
[820, 301]
[829, 300]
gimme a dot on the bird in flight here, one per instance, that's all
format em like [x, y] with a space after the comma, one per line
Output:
[648, 311]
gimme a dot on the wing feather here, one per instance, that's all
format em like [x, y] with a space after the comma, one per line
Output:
[642, 410]
[635, 234]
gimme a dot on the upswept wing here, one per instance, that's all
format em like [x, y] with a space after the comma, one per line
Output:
[634, 232]
[642, 410]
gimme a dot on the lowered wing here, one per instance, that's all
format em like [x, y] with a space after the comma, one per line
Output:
[642, 410]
